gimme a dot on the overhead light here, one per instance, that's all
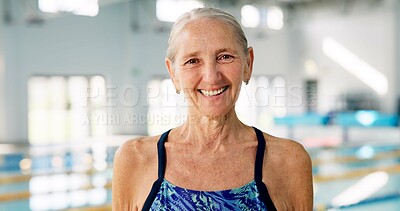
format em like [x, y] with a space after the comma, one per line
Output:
[275, 18]
[366, 118]
[355, 65]
[77, 7]
[311, 67]
[365, 152]
[170, 10]
[250, 16]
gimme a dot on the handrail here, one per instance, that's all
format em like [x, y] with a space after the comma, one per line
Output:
[356, 173]
[105, 207]
[23, 178]
[353, 159]
[26, 194]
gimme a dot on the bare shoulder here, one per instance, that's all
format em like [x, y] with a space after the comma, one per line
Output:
[288, 173]
[135, 156]
[139, 150]
[135, 169]
[286, 150]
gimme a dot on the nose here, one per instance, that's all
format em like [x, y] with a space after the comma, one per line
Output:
[211, 72]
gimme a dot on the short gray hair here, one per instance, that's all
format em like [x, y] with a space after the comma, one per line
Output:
[211, 13]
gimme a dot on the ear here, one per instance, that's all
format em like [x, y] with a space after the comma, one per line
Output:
[172, 74]
[249, 68]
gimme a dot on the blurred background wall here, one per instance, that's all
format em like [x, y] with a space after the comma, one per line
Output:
[126, 44]
[76, 83]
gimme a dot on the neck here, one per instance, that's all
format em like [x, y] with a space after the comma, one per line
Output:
[207, 132]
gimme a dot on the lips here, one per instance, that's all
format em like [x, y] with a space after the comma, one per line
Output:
[211, 93]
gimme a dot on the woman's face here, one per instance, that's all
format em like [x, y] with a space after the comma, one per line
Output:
[209, 67]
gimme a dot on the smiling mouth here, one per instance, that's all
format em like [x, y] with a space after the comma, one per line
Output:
[211, 93]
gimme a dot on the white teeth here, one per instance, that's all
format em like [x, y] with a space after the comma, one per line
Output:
[212, 93]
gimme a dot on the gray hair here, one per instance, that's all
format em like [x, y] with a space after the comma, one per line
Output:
[211, 13]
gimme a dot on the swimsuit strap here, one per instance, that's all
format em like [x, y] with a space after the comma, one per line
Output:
[259, 156]
[264, 195]
[262, 188]
[161, 170]
[161, 154]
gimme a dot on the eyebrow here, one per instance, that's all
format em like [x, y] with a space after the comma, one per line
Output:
[196, 53]
[191, 54]
[226, 49]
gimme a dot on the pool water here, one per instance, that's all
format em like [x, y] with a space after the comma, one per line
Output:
[75, 178]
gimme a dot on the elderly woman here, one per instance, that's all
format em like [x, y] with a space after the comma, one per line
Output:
[213, 161]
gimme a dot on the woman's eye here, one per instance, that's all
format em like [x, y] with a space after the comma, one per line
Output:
[192, 61]
[226, 58]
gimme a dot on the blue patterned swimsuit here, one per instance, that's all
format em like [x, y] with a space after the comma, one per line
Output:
[168, 197]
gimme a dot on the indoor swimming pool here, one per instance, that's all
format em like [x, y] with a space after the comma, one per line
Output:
[355, 178]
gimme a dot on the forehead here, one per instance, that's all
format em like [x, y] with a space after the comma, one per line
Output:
[206, 33]
[207, 25]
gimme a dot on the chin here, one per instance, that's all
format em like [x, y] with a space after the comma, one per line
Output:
[215, 113]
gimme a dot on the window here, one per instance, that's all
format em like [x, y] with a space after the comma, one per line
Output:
[261, 100]
[60, 109]
[77, 7]
[170, 10]
[166, 108]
